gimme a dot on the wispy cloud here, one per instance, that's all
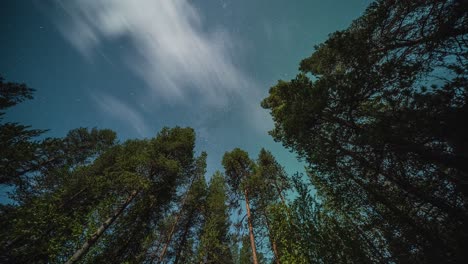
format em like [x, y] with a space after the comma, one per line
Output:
[122, 112]
[173, 52]
[180, 57]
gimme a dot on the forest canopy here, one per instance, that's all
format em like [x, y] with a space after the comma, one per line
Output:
[378, 112]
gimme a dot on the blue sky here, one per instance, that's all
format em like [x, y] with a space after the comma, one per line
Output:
[137, 66]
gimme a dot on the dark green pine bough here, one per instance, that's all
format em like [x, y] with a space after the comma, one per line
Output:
[378, 112]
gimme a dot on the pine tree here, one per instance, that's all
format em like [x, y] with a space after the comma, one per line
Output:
[185, 218]
[17, 141]
[378, 112]
[101, 210]
[215, 244]
[239, 170]
[270, 182]
[190, 226]
[169, 163]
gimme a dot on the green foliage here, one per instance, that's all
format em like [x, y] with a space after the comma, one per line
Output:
[378, 112]
[245, 255]
[191, 218]
[214, 241]
[238, 168]
[65, 205]
[385, 150]
[13, 93]
[19, 149]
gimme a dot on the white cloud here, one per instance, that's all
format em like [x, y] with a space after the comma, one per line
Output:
[172, 51]
[181, 58]
[121, 111]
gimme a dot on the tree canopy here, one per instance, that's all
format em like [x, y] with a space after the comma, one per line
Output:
[378, 112]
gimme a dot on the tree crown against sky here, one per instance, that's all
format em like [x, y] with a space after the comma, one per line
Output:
[377, 112]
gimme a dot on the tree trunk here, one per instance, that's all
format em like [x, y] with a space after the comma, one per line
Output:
[251, 234]
[272, 240]
[404, 185]
[280, 192]
[169, 238]
[283, 200]
[94, 238]
[184, 238]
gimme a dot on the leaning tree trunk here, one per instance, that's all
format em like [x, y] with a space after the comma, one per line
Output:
[251, 234]
[184, 237]
[94, 237]
[176, 221]
[280, 192]
[272, 240]
[169, 238]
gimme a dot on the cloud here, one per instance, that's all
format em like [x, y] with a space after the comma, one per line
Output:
[184, 61]
[172, 50]
[123, 112]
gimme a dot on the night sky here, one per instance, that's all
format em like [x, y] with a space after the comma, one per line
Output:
[135, 66]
